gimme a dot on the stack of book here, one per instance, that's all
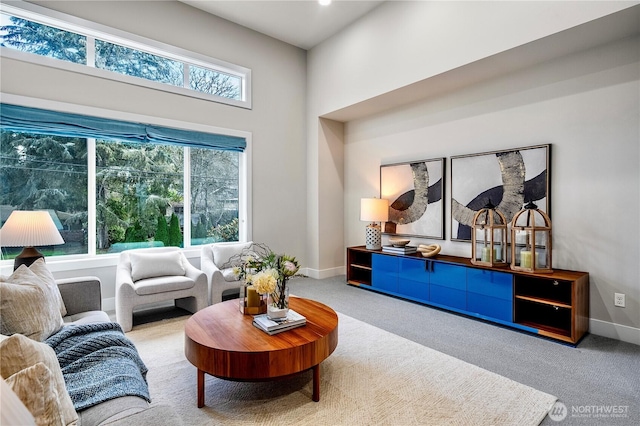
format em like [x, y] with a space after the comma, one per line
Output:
[274, 326]
[400, 250]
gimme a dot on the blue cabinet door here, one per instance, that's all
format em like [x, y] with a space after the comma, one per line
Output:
[448, 285]
[384, 272]
[447, 275]
[490, 294]
[413, 279]
[490, 283]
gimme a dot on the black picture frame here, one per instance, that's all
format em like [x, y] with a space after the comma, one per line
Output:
[476, 179]
[415, 190]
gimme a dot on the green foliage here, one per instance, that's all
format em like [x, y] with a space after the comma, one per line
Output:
[135, 234]
[175, 235]
[225, 232]
[162, 231]
[200, 230]
[116, 234]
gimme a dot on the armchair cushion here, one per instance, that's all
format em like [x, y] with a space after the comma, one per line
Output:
[159, 264]
[229, 275]
[163, 284]
[223, 252]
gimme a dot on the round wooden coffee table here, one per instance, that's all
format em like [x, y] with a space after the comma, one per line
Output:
[222, 342]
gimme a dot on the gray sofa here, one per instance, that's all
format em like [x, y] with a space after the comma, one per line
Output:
[83, 301]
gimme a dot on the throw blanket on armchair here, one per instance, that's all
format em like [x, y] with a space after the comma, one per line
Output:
[99, 363]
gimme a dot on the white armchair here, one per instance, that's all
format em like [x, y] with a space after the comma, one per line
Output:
[157, 274]
[213, 258]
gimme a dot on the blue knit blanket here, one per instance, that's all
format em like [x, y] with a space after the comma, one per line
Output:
[99, 363]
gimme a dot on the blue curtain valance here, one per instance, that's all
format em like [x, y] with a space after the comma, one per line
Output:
[45, 122]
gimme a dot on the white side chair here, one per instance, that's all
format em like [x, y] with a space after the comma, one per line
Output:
[154, 275]
[214, 260]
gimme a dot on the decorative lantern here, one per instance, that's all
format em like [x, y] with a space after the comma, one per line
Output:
[531, 240]
[489, 237]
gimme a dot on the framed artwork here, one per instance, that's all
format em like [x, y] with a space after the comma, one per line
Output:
[415, 191]
[507, 179]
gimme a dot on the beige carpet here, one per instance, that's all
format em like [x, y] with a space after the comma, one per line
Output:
[373, 378]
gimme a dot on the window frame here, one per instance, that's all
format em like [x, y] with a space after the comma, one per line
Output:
[93, 30]
[92, 259]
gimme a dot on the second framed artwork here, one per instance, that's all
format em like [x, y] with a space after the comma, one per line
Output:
[415, 191]
[506, 179]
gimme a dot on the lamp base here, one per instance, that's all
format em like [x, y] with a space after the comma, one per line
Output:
[27, 257]
[373, 237]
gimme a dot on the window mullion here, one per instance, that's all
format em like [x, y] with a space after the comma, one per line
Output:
[91, 192]
[186, 196]
[91, 51]
[185, 72]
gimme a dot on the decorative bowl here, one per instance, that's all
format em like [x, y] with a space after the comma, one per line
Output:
[396, 242]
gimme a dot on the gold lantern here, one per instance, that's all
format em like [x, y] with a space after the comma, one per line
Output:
[489, 237]
[531, 240]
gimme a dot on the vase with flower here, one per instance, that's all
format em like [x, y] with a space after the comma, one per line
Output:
[267, 273]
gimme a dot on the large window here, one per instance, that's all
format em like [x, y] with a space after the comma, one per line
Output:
[121, 195]
[40, 32]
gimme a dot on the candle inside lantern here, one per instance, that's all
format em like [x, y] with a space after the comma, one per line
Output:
[486, 254]
[525, 259]
[253, 298]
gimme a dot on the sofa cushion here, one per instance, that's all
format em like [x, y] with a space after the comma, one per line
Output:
[42, 271]
[28, 306]
[163, 284]
[223, 252]
[36, 389]
[157, 264]
[113, 410]
[88, 317]
[19, 352]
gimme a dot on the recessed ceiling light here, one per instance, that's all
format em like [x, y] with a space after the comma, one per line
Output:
[324, 2]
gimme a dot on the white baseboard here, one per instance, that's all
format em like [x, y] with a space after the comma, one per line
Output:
[109, 304]
[615, 331]
[323, 273]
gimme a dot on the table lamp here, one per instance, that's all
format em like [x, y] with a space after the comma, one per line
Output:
[374, 210]
[28, 229]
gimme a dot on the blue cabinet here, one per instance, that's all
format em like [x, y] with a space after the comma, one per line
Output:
[478, 292]
[555, 305]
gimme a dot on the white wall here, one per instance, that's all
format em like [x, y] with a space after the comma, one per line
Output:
[585, 104]
[276, 121]
[587, 107]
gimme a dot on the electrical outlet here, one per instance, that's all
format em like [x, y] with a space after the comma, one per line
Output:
[618, 299]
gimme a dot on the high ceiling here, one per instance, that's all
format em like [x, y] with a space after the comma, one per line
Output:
[302, 23]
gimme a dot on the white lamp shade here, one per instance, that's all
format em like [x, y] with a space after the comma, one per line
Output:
[28, 229]
[374, 210]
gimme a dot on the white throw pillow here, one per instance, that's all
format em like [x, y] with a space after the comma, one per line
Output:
[40, 269]
[28, 306]
[160, 264]
[222, 252]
